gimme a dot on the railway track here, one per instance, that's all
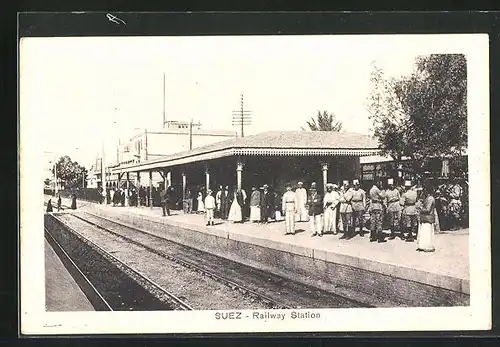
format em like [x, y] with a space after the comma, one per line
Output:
[272, 290]
[167, 299]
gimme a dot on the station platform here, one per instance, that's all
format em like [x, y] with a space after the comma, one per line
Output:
[62, 293]
[393, 269]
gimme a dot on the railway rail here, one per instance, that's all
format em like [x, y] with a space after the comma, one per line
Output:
[169, 300]
[272, 290]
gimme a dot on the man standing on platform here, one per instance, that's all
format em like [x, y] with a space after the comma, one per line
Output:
[266, 204]
[289, 209]
[358, 203]
[218, 197]
[315, 206]
[255, 205]
[393, 197]
[346, 209]
[165, 201]
[225, 201]
[408, 201]
[330, 202]
[301, 195]
[376, 214]
[209, 207]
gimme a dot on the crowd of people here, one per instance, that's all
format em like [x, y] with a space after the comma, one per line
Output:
[409, 211]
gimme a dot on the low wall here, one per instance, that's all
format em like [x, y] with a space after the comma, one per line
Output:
[325, 270]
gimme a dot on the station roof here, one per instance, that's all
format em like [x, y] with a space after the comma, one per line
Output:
[271, 143]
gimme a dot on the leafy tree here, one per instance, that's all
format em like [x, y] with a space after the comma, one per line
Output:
[324, 122]
[424, 115]
[70, 172]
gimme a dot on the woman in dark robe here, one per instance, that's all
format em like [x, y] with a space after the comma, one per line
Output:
[49, 206]
[225, 203]
[73, 201]
[266, 205]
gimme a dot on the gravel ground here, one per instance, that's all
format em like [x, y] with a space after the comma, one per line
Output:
[288, 292]
[119, 290]
[198, 291]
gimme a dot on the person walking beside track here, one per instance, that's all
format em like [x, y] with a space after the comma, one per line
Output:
[59, 203]
[376, 214]
[289, 202]
[315, 206]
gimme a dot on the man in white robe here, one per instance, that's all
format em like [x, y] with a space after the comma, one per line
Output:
[330, 203]
[301, 199]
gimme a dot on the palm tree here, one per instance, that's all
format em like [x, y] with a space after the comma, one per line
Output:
[324, 122]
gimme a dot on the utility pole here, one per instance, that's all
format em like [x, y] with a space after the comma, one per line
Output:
[242, 117]
[191, 134]
[55, 176]
[164, 119]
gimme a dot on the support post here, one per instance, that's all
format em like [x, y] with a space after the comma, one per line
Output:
[127, 196]
[169, 178]
[324, 168]
[165, 179]
[207, 179]
[184, 183]
[239, 169]
[150, 189]
[138, 187]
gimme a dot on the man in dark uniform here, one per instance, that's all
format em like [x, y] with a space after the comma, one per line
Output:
[266, 205]
[376, 214]
[165, 201]
[358, 203]
[315, 206]
[393, 197]
[408, 201]
[225, 203]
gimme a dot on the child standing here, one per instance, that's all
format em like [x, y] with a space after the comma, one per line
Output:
[209, 207]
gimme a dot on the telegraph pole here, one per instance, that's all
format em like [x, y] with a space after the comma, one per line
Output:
[242, 117]
[191, 134]
[164, 119]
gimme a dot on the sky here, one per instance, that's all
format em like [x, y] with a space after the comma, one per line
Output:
[83, 91]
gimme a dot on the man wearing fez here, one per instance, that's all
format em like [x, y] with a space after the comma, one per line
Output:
[408, 201]
[289, 209]
[358, 203]
[330, 202]
[301, 195]
[392, 197]
[345, 209]
[315, 206]
[255, 205]
[376, 212]
[266, 204]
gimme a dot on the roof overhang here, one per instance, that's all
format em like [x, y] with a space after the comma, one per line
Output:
[247, 151]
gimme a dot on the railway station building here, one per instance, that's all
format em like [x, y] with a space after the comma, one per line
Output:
[274, 158]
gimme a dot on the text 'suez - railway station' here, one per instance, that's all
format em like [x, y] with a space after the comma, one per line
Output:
[274, 158]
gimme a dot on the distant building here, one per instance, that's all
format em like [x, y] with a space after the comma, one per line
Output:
[153, 144]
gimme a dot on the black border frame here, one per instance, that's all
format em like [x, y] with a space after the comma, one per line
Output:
[286, 23]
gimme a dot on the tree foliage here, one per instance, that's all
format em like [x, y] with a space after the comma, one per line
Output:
[69, 172]
[423, 115]
[324, 122]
